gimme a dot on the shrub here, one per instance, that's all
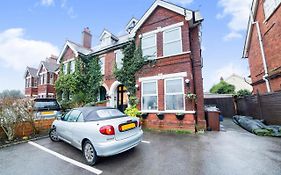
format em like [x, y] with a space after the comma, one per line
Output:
[132, 111]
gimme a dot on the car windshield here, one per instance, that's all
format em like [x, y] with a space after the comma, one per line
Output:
[109, 113]
[46, 105]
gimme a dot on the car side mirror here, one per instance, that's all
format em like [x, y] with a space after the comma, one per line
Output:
[60, 117]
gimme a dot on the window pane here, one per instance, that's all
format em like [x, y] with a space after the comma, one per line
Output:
[172, 35]
[102, 65]
[109, 113]
[174, 86]
[149, 47]
[149, 103]
[149, 88]
[119, 56]
[269, 6]
[73, 116]
[150, 53]
[72, 66]
[174, 102]
[172, 48]
[148, 41]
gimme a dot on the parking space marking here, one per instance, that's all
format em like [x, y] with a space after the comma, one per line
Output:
[143, 141]
[69, 160]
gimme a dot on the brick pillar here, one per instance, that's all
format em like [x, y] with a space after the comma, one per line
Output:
[197, 74]
[161, 99]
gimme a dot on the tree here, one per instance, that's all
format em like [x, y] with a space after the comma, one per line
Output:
[243, 92]
[14, 94]
[223, 88]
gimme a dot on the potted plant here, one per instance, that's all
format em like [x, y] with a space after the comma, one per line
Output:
[191, 96]
[160, 116]
[180, 116]
[144, 115]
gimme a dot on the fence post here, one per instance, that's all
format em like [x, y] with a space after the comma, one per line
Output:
[260, 105]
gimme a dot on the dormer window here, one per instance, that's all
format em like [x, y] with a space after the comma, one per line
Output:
[107, 38]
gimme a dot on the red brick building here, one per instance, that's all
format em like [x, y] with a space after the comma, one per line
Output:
[168, 34]
[30, 76]
[262, 45]
[40, 83]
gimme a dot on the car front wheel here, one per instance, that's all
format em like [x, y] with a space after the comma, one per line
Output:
[89, 153]
[54, 135]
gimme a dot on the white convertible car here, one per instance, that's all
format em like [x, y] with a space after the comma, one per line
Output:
[97, 131]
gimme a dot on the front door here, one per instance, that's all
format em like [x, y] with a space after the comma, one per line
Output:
[122, 98]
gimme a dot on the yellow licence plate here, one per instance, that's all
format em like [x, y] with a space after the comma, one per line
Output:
[128, 126]
[47, 113]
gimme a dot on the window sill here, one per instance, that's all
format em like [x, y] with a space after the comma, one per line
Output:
[169, 112]
[182, 53]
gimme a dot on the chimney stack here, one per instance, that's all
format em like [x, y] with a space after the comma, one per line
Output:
[87, 38]
[52, 59]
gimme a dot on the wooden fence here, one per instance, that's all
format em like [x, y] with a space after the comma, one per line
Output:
[225, 104]
[267, 107]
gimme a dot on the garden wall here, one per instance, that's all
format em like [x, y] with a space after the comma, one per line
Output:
[170, 122]
[25, 128]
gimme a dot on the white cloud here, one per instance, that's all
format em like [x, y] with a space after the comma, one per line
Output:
[18, 52]
[47, 2]
[231, 36]
[183, 2]
[238, 10]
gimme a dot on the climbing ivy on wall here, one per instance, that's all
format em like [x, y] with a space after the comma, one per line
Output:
[82, 86]
[132, 62]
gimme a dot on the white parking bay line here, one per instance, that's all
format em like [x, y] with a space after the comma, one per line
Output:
[143, 141]
[69, 160]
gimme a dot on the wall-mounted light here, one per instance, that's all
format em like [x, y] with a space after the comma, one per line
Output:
[137, 86]
[187, 82]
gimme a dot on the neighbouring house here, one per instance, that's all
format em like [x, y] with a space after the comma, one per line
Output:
[170, 35]
[239, 82]
[39, 83]
[31, 82]
[47, 75]
[262, 45]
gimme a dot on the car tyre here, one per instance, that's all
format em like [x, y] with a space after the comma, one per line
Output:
[89, 153]
[54, 135]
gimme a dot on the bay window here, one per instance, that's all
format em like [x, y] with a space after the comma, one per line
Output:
[174, 94]
[172, 41]
[149, 96]
[148, 45]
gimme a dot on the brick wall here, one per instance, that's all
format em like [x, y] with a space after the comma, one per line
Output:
[25, 128]
[271, 34]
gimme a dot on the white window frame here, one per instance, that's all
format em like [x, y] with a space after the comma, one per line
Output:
[275, 6]
[72, 66]
[121, 63]
[176, 40]
[150, 46]
[102, 66]
[51, 78]
[149, 95]
[165, 94]
[64, 69]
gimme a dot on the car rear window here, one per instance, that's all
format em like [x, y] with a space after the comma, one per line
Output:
[46, 105]
[109, 113]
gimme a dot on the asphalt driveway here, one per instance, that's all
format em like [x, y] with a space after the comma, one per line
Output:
[233, 151]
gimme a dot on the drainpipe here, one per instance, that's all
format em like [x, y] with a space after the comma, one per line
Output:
[265, 77]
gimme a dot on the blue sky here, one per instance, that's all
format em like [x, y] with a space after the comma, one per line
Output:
[31, 30]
